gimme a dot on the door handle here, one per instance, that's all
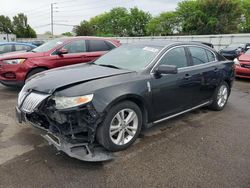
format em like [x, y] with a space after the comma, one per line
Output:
[187, 76]
[216, 69]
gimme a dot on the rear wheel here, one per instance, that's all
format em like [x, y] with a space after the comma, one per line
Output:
[121, 126]
[34, 71]
[220, 97]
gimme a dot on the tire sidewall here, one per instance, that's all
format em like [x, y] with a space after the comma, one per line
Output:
[104, 129]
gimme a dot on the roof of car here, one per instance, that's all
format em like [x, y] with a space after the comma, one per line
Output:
[164, 43]
[21, 43]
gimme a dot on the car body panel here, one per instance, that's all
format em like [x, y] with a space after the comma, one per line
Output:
[47, 60]
[243, 70]
[158, 96]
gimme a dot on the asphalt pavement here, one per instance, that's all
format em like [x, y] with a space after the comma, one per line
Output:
[201, 149]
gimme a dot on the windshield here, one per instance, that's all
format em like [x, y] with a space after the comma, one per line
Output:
[49, 45]
[129, 57]
[236, 46]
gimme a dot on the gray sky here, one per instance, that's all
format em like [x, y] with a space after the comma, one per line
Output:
[71, 12]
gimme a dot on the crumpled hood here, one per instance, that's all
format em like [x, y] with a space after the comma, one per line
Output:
[22, 54]
[49, 81]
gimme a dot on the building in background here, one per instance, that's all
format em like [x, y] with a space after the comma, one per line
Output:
[7, 37]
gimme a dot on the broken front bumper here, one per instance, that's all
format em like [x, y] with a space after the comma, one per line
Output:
[80, 150]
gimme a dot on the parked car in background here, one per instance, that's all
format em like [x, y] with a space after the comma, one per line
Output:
[37, 43]
[6, 47]
[234, 50]
[243, 65]
[15, 69]
[132, 87]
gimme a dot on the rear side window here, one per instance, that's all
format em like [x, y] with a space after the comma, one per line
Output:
[199, 55]
[98, 45]
[5, 48]
[176, 56]
[78, 46]
[210, 56]
[22, 47]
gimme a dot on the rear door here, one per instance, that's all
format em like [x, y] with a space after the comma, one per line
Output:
[97, 48]
[205, 70]
[77, 53]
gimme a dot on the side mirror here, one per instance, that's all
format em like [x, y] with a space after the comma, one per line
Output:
[62, 51]
[166, 69]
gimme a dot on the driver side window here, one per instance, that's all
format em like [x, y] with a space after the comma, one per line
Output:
[78, 46]
[176, 56]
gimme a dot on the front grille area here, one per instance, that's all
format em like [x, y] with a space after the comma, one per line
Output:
[32, 101]
[245, 66]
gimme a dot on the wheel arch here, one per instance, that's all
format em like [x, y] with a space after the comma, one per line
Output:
[33, 68]
[138, 100]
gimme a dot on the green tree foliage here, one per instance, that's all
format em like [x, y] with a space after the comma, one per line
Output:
[209, 16]
[68, 34]
[138, 20]
[167, 23]
[84, 29]
[21, 27]
[118, 22]
[245, 24]
[5, 24]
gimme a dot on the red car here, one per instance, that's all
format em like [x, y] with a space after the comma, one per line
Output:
[243, 65]
[16, 68]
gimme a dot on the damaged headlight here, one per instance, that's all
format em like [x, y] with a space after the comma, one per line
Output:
[70, 102]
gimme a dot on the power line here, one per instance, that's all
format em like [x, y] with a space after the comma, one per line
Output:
[107, 5]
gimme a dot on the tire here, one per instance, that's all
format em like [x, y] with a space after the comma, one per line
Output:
[123, 134]
[220, 97]
[33, 72]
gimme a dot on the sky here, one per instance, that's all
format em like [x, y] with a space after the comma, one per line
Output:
[71, 12]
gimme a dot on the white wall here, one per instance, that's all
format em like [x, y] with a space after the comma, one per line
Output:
[7, 37]
[219, 41]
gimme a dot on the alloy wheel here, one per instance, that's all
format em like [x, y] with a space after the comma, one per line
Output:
[222, 96]
[123, 127]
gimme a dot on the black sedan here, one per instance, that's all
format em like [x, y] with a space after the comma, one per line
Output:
[234, 50]
[88, 110]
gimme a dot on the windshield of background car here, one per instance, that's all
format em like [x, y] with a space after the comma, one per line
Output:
[48, 45]
[130, 57]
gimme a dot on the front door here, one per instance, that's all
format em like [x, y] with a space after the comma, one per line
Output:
[172, 93]
[77, 53]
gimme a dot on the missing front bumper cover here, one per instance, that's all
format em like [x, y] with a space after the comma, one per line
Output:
[80, 151]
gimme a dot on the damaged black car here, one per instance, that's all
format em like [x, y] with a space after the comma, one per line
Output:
[90, 110]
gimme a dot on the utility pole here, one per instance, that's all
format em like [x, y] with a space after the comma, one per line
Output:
[52, 20]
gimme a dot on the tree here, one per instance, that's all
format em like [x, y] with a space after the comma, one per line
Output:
[209, 16]
[21, 27]
[245, 18]
[68, 34]
[5, 24]
[167, 23]
[138, 20]
[84, 29]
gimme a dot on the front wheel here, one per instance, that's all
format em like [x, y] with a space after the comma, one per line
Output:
[121, 126]
[220, 97]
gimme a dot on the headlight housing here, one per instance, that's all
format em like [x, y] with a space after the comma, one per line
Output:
[13, 61]
[236, 62]
[70, 102]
